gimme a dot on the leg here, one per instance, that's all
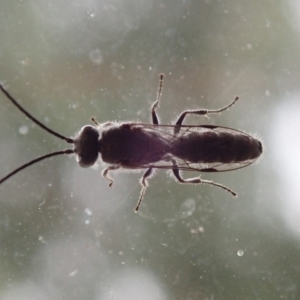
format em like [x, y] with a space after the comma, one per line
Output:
[105, 174]
[156, 103]
[94, 121]
[144, 185]
[198, 180]
[201, 112]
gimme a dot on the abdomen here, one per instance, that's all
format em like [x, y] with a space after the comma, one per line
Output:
[213, 146]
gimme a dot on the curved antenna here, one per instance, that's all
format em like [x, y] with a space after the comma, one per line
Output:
[24, 111]
[32, 118]
[68, 151]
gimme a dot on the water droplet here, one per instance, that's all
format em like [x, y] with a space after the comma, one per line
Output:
[201, 229]
[96, 56]
[240, 252]
[187, 208]
[41, 239]
[267, 93]
[88, 211]
[71, 274]
[25, 62]
[23, 129]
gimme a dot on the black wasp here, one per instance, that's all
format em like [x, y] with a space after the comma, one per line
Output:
[139, 146]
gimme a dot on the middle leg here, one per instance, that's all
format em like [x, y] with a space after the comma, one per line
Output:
[144, 184]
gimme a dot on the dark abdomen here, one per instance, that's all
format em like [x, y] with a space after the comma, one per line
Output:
[214, 146]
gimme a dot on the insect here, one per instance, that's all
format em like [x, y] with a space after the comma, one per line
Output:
[139, 146]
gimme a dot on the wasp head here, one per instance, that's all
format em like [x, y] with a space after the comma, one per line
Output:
[86, 146]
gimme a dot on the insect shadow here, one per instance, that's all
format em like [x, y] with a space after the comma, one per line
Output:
[140, 146]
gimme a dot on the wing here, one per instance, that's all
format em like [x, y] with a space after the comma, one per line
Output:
[197, 167]
[171, 161]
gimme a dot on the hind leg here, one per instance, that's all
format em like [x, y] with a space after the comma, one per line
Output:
[197, 180]
[201, 112]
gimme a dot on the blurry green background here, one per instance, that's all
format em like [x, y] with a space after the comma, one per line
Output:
[64, 234]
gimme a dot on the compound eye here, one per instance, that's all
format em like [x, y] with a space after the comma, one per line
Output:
[86, 146]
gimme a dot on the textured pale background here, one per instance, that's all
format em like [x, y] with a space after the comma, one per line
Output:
[64, 234]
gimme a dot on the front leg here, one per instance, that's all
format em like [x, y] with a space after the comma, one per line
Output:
[106, 171]
[155, 105]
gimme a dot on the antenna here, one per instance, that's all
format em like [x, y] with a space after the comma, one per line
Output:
[25, 112]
